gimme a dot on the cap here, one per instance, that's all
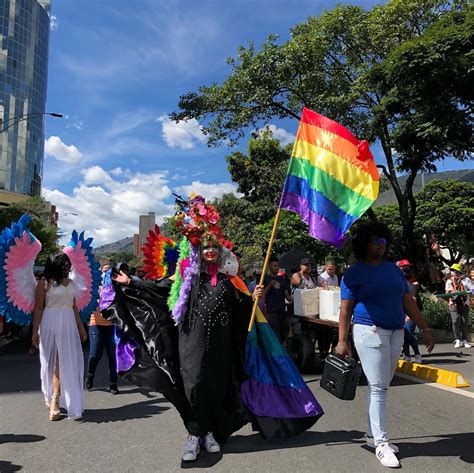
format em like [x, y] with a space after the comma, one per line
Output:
[305, 261]
[456, 267]
[404, 262]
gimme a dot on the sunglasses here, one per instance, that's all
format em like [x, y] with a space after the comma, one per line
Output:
[378, 241]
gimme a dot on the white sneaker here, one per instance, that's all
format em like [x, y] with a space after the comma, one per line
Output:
[406, 358]
[457, 343]
[418, 359]
[191, 449]
[371, 444]
[386, 456]
[466, 344]
[210, 443]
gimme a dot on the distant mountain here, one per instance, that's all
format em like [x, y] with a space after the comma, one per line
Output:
[125, 245]
[388, 197]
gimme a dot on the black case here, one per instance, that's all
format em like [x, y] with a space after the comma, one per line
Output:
[340, 377]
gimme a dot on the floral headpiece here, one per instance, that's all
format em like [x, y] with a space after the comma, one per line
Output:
[196, 217]
[197, 221]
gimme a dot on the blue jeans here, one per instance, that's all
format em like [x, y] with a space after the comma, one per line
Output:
[378, 350]
[410, 339]
[100, 336]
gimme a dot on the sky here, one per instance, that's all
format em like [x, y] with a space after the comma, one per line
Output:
[116, 70]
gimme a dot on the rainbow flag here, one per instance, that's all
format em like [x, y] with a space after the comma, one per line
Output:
[332, 178]
[281, 403]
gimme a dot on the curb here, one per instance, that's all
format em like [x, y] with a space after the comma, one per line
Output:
[430, 373]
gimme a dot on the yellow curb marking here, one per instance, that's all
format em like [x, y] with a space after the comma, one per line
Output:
[430, 373]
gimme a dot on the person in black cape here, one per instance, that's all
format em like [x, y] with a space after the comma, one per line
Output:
[199, 365]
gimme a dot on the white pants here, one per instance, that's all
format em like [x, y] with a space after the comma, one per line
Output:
[379, 351]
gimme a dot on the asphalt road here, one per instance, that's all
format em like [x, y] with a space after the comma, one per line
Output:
[137, 432]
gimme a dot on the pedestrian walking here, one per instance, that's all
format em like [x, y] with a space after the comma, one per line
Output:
[58, 331]
[458, 307]
[375, 291]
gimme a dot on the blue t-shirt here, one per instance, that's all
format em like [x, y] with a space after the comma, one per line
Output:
[377, 292]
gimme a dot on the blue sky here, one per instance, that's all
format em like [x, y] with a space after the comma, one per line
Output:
[116, 69]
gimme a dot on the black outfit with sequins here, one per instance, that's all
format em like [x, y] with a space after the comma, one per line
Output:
[209, 356]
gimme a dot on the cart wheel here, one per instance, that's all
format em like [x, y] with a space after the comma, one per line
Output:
[301, 349]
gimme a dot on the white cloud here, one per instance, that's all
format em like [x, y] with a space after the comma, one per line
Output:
[281, 134]
[54, 23]
[184, 135]
[208, 191]
[54, 147]
[108, 205]
[77, 123]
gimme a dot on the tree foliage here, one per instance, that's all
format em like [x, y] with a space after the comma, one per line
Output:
[400, 74]
[40, 227]
[446, 210]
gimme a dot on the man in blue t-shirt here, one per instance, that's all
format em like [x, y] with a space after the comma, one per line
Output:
[276, 290]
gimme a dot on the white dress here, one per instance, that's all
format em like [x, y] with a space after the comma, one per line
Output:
[59, 336]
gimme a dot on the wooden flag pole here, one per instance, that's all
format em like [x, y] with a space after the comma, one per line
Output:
[265, 265]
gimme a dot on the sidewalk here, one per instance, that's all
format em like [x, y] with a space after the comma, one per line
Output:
[445, 356]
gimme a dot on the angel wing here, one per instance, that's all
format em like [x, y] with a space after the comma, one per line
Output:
[160, 255]
[18, 251]
[85, 274]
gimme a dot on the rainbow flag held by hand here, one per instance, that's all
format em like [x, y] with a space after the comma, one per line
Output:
[332, 178]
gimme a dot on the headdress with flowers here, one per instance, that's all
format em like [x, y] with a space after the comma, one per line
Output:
[194, 219]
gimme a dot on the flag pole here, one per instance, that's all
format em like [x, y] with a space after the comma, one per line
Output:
[265, 266]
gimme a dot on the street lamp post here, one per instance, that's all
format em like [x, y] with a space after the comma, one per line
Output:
[21, 118]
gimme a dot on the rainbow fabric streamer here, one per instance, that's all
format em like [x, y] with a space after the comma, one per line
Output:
[275, 392]
[332, 178]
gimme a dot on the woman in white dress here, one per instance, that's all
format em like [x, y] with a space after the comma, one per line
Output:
[58, 331]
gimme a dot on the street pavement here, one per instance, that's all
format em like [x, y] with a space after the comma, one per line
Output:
[137, 431]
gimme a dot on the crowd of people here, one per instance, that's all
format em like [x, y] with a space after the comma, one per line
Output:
[380, 305]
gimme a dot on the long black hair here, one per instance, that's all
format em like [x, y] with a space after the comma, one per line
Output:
[362, 235]
[57, 268]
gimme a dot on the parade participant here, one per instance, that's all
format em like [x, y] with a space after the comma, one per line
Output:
[101, 334]
[275, 292]
[409, 328]
[196, 356]
[58, 331]
[303, 279]
[59, 302]
[378, 295]
[458, 307]
[328, 278]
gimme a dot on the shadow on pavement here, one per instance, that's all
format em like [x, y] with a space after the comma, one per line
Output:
[139, 410]
[255, 443]
[204, 460]
[7, 467]
[445, 361]
[25, 438]
[449, 445]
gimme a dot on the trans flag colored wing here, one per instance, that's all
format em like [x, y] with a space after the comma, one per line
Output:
[281, 403]
[160, 255]
[18, 251]
[85, 274]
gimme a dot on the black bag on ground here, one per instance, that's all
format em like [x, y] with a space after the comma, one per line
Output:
[340, 377]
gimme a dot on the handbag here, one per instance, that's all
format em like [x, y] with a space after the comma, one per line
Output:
[340, 377]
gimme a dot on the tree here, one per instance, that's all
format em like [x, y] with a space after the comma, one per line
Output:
[387, 74]
[40, 227]
[446, 210]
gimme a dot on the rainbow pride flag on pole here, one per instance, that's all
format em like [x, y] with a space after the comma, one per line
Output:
[332, 178]
[281, 403]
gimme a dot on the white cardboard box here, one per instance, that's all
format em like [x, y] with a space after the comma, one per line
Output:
[329, 305]
[306, 302]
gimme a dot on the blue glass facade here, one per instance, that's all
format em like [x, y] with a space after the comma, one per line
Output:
[24, 43]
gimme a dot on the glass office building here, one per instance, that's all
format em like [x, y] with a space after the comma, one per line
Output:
[24, 40]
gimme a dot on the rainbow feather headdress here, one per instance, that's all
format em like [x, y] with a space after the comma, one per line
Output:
[160, 255]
